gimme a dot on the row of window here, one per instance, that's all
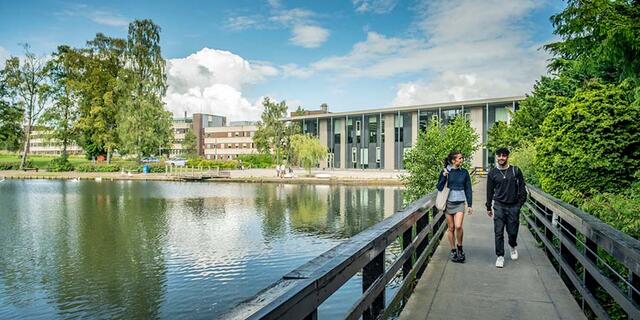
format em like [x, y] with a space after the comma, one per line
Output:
[221, 157]
[229, 146]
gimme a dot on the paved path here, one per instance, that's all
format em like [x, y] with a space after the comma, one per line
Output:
[528, 288]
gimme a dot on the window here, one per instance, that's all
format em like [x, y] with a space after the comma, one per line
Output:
[373, 130]
[382, 129]
[229, 134]
[502, 114]
[237, 134]
[354, 155]
[349, 131]
[378, 154]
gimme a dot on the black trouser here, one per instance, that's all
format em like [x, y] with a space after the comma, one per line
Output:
[505, 216]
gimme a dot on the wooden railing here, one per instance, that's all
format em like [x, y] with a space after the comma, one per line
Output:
[299, 293]
[595, 260]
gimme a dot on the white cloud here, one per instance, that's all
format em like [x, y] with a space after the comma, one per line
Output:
[309, 36]
[305, 31]
[4, 55]
[462, 50]
[375, 6]
[104, 17]
[212, 81]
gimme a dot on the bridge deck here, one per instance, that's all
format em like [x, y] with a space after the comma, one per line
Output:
[528, 288]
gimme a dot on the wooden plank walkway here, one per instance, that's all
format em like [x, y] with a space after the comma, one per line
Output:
[528, 288]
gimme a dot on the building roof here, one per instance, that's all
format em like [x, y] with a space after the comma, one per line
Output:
[412, 107]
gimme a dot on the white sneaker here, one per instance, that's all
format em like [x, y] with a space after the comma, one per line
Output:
[514, 253]
[500, 262]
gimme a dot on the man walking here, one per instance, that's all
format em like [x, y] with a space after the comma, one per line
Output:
[506, 189]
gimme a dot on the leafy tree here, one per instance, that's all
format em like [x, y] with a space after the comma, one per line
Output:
[273, 134]
[145, 125]
[308, 150]
[425, 160]
[299, 111]
[27, 80]
[59, 119]
[591, 143]
[190, 144]
[99, 66]
[11, 115]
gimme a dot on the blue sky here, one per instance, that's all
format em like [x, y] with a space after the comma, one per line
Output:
[225, 56]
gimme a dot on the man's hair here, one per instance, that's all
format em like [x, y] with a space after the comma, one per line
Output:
[503, 151]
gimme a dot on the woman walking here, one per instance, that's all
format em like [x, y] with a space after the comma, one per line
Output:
[459, 183]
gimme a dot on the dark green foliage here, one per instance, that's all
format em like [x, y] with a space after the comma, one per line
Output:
[256, 160]
[60, 164]
[14, 165]
[425, 160]
[222, 164]
[591, 143]
[11, 116]
[153, 168]
[98, 168]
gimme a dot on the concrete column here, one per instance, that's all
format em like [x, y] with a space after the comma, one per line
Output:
[324, 140]
[389, 141]
[343, 142]
[414, 128]
[477, 124]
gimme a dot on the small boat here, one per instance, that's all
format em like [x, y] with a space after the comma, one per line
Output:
[75, 180]
[98, 179]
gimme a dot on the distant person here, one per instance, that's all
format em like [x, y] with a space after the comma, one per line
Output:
[277, 170]
[506, 189]
[459, 183]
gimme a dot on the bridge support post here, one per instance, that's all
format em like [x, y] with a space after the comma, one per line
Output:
[370, 273]
[570, 233]
[407, 237]
[635, 283]
[312, 316]
[590, 251]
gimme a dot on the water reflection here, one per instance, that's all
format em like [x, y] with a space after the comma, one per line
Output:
[163, 249]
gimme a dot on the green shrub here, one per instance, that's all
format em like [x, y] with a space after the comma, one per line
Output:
[153, 168]
[524, 157]
[256, 160]
[222, 164]
[60, 164]
[98, 168]
[590, 142]
[14, 165]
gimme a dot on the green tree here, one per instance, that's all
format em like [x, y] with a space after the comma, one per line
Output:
[308, 150]
[273, 134]
[59, 119]
[11, 115]
[145, 124]
[299, 112]
[99, 66]
[425, 160]
[190, 144]
[591, 143]
[28, 81]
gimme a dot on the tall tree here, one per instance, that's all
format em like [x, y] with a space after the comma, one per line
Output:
[145, 124]
[100, 65]
[273, 134]
[11, 115]
[59, 119]
[190, 144]
[28, 81]
[309, 151]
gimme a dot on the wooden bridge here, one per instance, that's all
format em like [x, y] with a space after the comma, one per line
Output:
[571, 266]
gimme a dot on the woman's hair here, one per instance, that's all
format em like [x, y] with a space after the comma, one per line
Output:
[452, 155]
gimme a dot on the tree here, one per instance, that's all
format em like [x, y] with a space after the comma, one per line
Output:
[60, 118]
[590, 143]
[190, 144]
[29, 83]
[145, 124]
[299, 112]
[99, 65]
[11, 115]
[308, 150]
[425, 160]
[273, 134]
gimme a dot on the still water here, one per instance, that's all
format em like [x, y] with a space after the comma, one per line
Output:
[168, 250]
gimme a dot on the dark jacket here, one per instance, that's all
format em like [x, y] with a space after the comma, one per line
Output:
[506, 187]
[459, 179]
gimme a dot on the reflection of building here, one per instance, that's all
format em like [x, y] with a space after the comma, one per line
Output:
[198, 123]
[41, 144]
[229, 142]
[378, 138]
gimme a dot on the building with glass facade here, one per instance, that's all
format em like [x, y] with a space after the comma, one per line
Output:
[378, 138]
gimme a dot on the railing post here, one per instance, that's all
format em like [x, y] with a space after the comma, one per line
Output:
[548, 233]
[590, 251]
[312, 316]
[407, 237]
[420, 225]
[370, 273]
[570, 233]
[634, 279]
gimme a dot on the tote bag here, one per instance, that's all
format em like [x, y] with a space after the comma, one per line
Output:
[442, 196]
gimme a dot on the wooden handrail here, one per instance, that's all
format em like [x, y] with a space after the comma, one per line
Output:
[298, 294]
[578, 265]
